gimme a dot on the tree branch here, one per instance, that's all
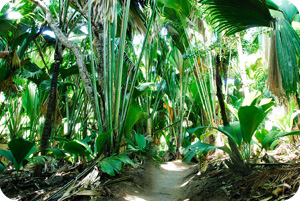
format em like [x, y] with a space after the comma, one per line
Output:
[74, 48]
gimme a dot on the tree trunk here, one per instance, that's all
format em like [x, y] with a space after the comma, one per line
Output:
[50, 108]
[52, 102]
[237, 163]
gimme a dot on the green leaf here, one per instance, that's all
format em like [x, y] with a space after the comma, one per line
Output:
[57, 152]
[125, 159]
[272, 5]
[181, 6]
[77, 147]
[141, 141]
[113, 164]
[250, 118]
[236, 15]
[143, 89]
[7, 154]
[269, 138]
[39, 159]
[110, 165]
[30, 101]
[260, 135]
[200, 147]
[135, 114]
[21, 149]
[288, 9]
[35, 74]
[2, 167]
[198, 130]
[101, 138]
[233, 131]
[287, 45]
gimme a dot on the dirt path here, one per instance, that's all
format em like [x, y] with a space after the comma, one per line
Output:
[165, 182]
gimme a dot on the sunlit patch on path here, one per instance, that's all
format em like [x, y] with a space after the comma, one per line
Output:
[165, 182]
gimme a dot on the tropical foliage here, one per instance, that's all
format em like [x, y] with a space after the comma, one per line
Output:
[117, 82]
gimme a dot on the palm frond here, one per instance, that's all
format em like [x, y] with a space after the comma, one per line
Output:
[288, 45]
[288, 9]
[237, 15]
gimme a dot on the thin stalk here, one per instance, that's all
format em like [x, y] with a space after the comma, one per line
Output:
[120, 62]
[135, 75]
[93, 61]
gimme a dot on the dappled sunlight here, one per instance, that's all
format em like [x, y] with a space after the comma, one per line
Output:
[133, 198]
[174, 166]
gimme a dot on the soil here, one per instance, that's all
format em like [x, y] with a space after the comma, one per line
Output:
[157, 182]
[170, 181]
[178, 181]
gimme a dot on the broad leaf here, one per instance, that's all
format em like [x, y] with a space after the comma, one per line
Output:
[181, 6]
[77, 147]
[57, 152]
[200, 147]
[101, 138]
[250, 118]
[2, 167]
[135, 114]
[21, 149]
[198, 130]
[142, 89]
[113, 164]
[273, 135]
[287, 44]
[288, 9]
[141, 141]
[236, 15]
[233, 131]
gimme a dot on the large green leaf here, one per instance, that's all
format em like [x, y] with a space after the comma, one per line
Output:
[250, 118]
[113, 164]
[35, 74]
[288, 9]
[200, 147]
[57, 152]
[236, 15]
[177, 28]
[142, 89]
[101, 138]
[30, 101]
[273, 135]
[21, 149]
[197, 130]
[232, 131]
[181, 6]
[288, 44]
[135, 114]
[141, 141]
[77, 147]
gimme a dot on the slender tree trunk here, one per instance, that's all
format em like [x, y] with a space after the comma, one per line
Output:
[52, 102]
[237, 163]
[50, 108]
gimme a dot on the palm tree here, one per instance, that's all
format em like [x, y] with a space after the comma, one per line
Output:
[234, 16]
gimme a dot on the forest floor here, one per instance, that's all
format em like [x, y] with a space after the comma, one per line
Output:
[158, 182]
[210, 180]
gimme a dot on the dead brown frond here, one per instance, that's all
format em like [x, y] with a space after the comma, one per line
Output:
[3, 54]
[274, 74]
[8, 86]
[270, 179]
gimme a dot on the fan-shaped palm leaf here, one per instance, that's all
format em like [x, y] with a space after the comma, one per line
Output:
[288, 9]
[236, 15]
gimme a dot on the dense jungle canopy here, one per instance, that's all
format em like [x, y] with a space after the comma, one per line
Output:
[93, 92]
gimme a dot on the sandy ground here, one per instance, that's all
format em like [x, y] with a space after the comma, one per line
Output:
[164, 182]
